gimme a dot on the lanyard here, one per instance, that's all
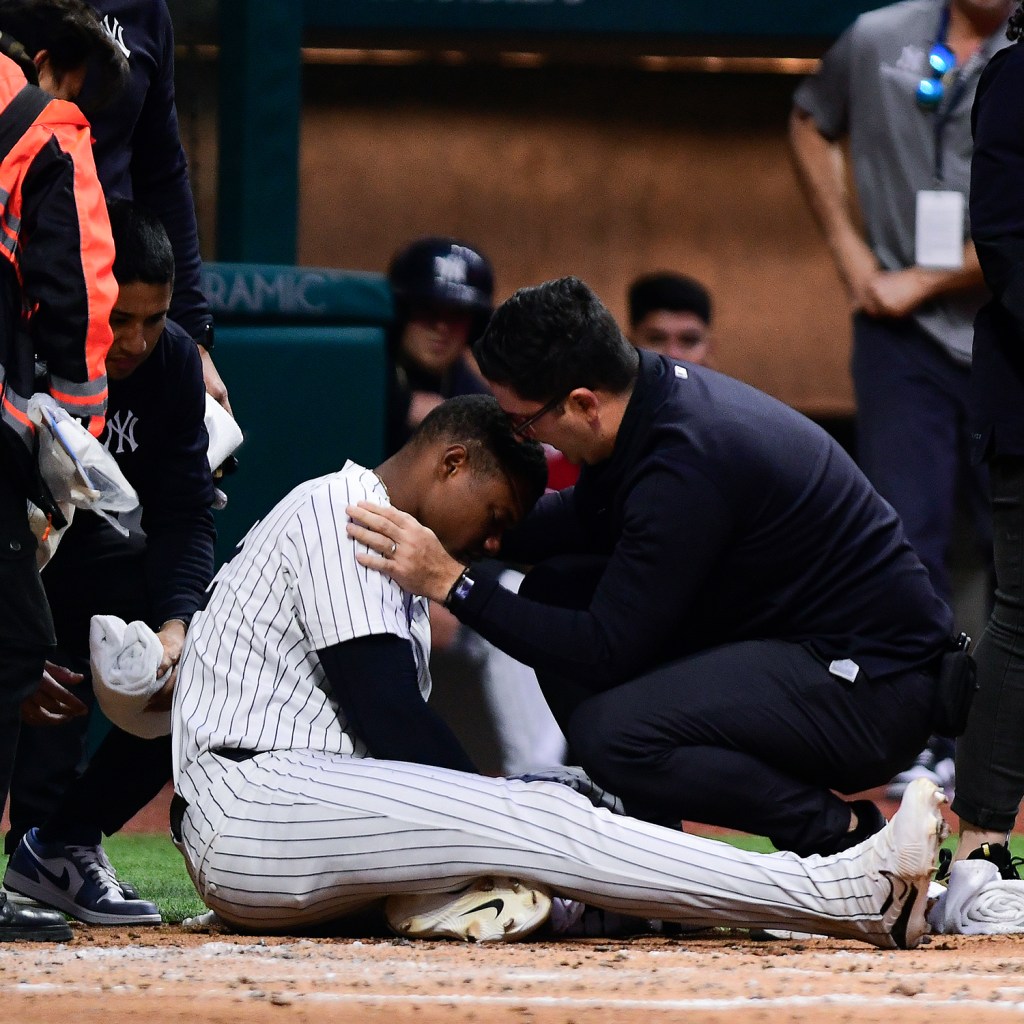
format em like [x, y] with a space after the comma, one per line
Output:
[954, 96]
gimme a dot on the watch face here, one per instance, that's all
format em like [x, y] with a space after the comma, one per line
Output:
[465, 585]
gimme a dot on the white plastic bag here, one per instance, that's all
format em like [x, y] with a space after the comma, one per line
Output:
[76, 468]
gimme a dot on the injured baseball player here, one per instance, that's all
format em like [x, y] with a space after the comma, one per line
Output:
[313, 781]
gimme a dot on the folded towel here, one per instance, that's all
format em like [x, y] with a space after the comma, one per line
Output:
[225, 434]
[978, 902]
[125, 659]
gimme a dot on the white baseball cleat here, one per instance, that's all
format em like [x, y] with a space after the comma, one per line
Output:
[209, 921]
[900, 860]
[487, 910]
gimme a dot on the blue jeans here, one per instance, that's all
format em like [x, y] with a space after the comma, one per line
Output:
[990, 754]
[912, 437]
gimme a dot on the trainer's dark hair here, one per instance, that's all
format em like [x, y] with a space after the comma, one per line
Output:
[546, 340]
[74, 37]
[1015, 26]
[478, 422]
[666, 290]
[142, 250]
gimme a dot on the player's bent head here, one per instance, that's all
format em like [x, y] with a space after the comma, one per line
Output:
[478, 423]
[73, 38]
[548, 339]
[142, 250]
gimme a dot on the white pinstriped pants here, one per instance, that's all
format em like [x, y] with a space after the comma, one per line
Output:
[294, 838]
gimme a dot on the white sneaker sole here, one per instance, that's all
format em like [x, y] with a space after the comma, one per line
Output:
[210, 921]
[490, 910]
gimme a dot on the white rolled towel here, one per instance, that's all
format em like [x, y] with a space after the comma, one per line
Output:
[978, 902]
[225, 433]
[125, 659]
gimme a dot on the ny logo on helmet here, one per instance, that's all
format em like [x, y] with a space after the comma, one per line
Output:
[450, 268]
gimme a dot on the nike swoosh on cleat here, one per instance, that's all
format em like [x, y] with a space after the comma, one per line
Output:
[899, 926]
[498, 905]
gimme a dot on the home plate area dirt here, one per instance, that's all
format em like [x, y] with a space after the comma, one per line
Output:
[165, 975]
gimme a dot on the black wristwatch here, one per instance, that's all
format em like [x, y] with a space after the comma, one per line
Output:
[461, 588]
[205, 337]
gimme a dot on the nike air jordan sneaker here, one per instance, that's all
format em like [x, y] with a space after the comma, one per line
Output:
[79, 880]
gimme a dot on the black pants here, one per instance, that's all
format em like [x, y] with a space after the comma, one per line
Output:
[990, 754]
[53, 784]
[752, 736]
[26, 627]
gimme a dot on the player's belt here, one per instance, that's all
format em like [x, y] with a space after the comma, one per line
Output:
[179, 805]
[235, 753]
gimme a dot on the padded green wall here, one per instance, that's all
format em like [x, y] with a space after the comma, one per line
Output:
[307, 399]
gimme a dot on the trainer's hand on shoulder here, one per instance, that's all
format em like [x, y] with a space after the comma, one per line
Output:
[403, 549]
[53, 703]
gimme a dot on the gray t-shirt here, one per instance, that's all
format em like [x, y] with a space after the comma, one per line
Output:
[866, 89]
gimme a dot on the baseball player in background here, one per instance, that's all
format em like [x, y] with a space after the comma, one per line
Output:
[312, 780]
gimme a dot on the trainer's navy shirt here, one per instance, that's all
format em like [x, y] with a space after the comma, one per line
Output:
[137, 144]
[155, 431]
[726, 516]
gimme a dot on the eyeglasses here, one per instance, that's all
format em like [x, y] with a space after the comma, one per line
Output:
[519, 429]
[941, 61]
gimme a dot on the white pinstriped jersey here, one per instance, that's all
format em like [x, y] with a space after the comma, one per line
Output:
[249, 676]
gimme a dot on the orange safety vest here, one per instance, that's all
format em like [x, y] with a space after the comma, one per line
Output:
[57, 287]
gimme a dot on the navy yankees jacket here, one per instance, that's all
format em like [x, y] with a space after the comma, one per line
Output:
[725, 516]
[155, 432]
[138, 147]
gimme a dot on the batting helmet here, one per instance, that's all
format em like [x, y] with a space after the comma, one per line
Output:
[442, 271]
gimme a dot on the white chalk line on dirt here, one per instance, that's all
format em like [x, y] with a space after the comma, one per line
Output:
[558, 1002]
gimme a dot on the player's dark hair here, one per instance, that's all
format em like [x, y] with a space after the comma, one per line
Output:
[1015, 26]
[667, 290]
[478, 422]
[74, 37]
[546, 340]
[142, 250]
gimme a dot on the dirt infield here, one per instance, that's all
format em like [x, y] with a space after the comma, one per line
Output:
[163, 975]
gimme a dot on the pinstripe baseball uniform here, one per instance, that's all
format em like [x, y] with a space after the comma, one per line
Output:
[305, 827]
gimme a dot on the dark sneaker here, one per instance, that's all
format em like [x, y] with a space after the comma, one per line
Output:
[994, 853]
[79, 880]
[21, 923]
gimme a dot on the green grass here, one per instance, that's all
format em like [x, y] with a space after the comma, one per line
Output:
[158, 871]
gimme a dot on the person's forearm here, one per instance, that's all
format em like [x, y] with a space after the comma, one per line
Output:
[942, 282]
[374, 681]
[821, 170]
